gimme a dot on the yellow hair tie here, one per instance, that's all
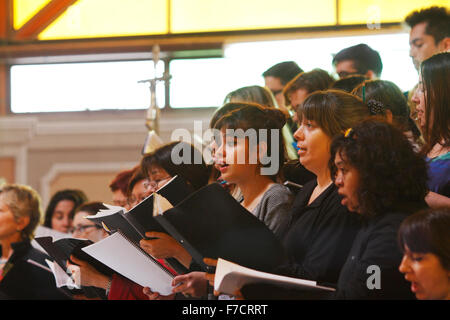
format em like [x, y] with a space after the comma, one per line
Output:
[347, 132]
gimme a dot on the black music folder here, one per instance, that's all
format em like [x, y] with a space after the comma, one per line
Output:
[211, 223]
[61, 250]
[139, 219]
[133, 224]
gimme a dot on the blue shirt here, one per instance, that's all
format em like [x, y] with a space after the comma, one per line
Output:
[439, 174]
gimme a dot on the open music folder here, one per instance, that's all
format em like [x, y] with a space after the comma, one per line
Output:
[231, 277]
[211, 223]
[133, 224]
[139, 219]
[129, 260]
[60, 251]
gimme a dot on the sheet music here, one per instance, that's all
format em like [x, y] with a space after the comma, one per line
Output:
[62, 278]
[231, 277]
[160, 204]
[42, 231]
[119, 254]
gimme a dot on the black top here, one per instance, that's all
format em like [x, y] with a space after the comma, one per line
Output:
[376, 245]
[317, 242]
[319, 236]
[24, 280]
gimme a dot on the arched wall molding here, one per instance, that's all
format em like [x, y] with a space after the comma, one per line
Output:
[77, 167]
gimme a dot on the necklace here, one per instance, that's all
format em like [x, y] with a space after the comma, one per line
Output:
[317, 192]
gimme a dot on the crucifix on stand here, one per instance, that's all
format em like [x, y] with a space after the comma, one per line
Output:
[153, 141]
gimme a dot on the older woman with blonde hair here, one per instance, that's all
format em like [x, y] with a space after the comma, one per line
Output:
[22, 274]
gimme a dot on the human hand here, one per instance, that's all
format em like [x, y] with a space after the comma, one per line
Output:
[210, 277]
[156, 296]
[164, 246]
[191, 284]
[87, 274]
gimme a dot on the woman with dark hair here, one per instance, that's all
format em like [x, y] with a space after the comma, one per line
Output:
[249, 152]
[382, 179]
[432, 97]
[424, 238]
[256, 178]
[387, 100]
[61, 208]
[320, 229]
[175, 158]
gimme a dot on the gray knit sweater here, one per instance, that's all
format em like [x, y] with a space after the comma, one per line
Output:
[274, 207]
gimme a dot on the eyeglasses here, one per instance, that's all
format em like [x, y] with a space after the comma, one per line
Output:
[83, 228]
[275, 92]
[156, 184]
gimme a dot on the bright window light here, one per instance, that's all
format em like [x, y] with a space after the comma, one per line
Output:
[257, 57]
[194, 82]
[83, 86]
[206, 82]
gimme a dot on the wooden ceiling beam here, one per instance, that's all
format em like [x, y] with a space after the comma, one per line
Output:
[5, 19]
[5, 95]
[86, 47]
[174, 42]
[42, 19]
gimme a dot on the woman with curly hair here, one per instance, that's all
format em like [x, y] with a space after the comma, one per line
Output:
[381, 178]
[320, 230]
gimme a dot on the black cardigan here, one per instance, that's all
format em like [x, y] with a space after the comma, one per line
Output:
[376, 245]
[25, 281]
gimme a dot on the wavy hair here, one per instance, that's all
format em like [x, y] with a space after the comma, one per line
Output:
[23, 201]
[391, 174]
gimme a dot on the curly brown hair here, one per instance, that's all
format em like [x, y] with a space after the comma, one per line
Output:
[391, 174]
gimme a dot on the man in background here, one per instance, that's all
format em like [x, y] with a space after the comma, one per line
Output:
[359, 59]
[429, 34]
[277, 76]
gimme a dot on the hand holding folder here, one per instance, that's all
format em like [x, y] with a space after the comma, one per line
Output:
[211, 223]
[162, 246]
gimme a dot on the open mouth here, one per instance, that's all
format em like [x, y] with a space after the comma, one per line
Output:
[414, 287]
[344, 199]
[222, 167]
